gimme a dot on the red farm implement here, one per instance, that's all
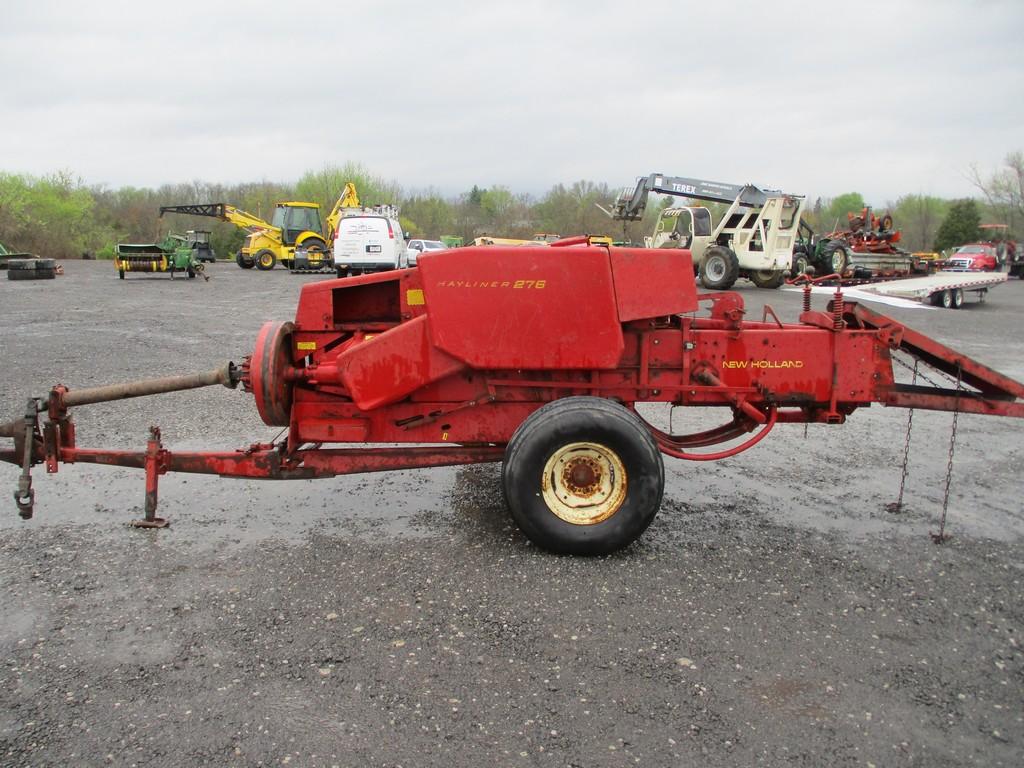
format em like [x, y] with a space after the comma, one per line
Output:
[536, 357]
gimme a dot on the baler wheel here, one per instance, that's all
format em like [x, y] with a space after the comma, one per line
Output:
[263, 373]
[583, 476]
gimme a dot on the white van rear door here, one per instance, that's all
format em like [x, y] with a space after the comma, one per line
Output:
[363, 239]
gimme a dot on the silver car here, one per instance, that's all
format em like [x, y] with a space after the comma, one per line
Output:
[416, 247]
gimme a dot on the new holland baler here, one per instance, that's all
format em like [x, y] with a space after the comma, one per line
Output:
[536, 357]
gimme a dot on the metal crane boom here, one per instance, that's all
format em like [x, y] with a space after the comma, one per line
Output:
[630, 206]
[224, 212]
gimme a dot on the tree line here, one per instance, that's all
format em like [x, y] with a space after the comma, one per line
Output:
[62, 217]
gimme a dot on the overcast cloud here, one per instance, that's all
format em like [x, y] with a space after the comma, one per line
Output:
[811, 97]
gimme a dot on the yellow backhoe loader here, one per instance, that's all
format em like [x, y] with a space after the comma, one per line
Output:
[295, 225]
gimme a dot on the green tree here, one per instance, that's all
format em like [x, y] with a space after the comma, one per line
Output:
[428, 216]
[960, 225]
[325, 186]
[573, 210]
[834, 215]
[51, 216]
[918, 217]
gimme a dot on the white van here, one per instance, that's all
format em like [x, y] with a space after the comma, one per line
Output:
[369, 242]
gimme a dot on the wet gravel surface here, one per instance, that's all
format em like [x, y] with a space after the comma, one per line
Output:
[774, 614]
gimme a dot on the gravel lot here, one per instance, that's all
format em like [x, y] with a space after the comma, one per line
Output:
[774, 614]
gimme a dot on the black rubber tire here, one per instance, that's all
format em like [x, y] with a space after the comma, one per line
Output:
[555, 427]
[31, 274]
[314, 246]
[719, 269]
[800, 263]
[265, 260]
[190, 272]
[768, 278]
[21, 265]
[958, 298]
[946, 299]
[341, 271]
[244, 262]
[45, 264]
[120, 273]
[836, 257]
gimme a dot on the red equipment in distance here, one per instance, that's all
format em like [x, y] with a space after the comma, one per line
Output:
[537, 357]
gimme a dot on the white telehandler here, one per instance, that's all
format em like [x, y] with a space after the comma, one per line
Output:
[754, 237]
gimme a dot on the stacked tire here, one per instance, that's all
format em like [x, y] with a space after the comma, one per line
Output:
[31, 269]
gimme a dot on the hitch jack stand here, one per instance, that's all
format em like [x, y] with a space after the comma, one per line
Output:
[156, 465]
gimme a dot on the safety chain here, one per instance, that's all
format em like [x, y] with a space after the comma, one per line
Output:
[897, 506]
[916, 372]
[941, 536]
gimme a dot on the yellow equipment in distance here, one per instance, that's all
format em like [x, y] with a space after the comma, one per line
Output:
[295, 224]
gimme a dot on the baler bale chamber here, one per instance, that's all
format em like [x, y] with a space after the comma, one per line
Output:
[536, 357]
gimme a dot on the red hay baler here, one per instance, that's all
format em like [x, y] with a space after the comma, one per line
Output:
[536, 357]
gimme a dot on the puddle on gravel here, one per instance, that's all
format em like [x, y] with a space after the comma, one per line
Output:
[209, 510]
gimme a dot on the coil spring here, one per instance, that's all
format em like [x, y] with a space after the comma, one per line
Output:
[837, 309]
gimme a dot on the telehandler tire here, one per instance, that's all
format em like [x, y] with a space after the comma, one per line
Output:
[583, 476]
[720, 268]
[768, 278]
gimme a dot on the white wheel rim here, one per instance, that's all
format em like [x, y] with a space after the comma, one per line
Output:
[584, 483]
[716, 268]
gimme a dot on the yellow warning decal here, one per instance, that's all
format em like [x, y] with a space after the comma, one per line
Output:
[306, 346]
[414, 297]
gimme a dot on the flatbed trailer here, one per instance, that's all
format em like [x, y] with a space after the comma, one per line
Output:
[941, 289]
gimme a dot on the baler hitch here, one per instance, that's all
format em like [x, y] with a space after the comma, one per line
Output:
[25, 496]
[55, 443]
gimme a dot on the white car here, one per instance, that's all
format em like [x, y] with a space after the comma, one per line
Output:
[370, 242]
[416, 247]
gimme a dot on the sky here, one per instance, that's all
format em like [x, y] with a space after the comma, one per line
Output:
[816, 98]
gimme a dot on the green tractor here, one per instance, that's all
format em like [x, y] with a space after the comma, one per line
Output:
[807, 249]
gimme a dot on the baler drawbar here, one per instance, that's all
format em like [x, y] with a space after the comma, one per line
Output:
[536, 357]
